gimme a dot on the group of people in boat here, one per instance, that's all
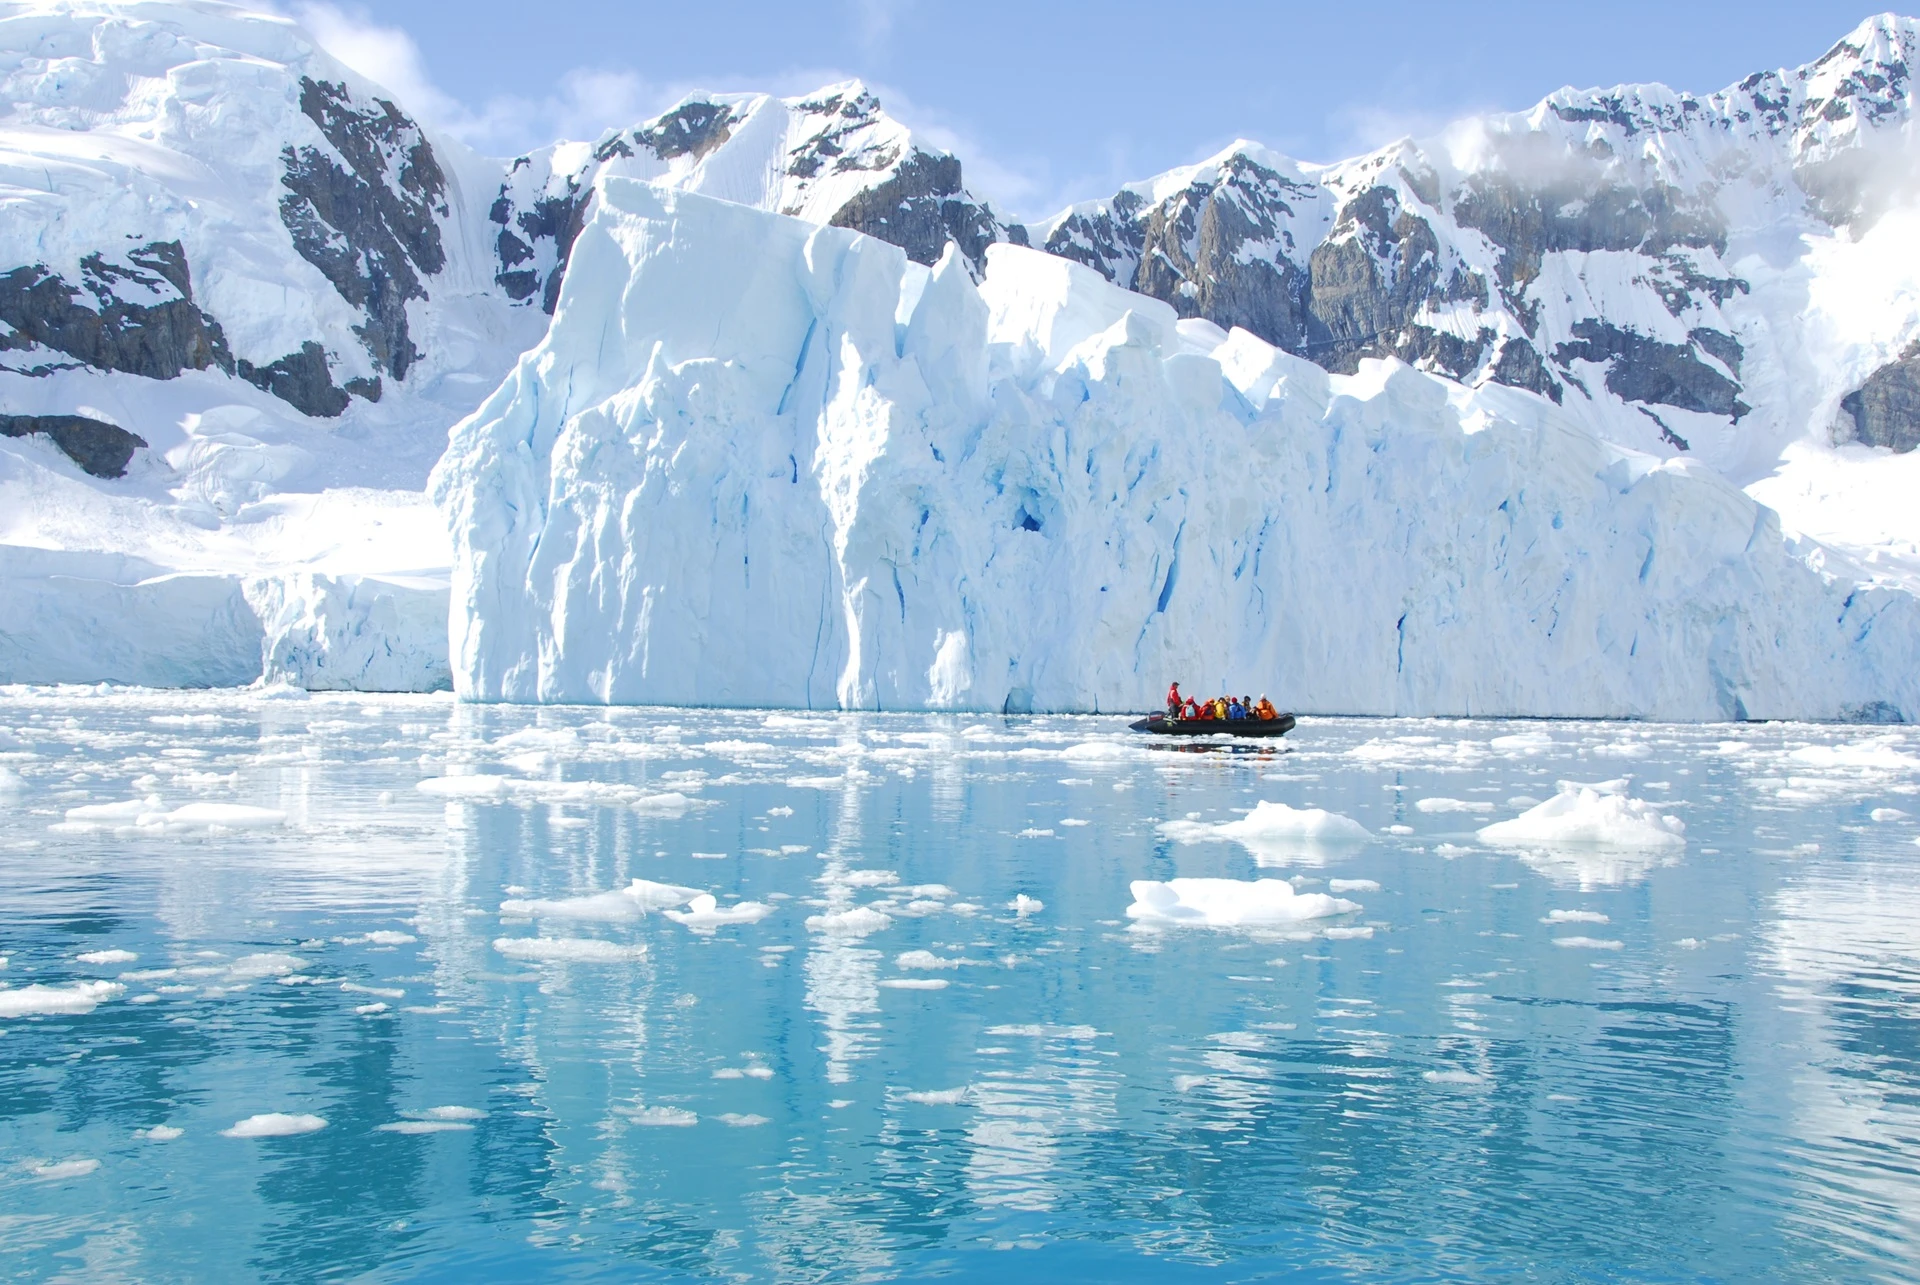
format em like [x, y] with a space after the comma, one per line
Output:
[1181, 708]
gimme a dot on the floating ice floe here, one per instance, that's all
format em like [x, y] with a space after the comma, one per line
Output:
[1023, 905]
[857, 922]
[1452, 805]
[446, 1119]
[704, 914]
[736, 1120]
[69, 1000]
[926, 959]
[55, 1170]
[151, 816]
[106, 957]
[1276, 834]
[915, 983]
[1888, 814]
[1352, 885]
[274, 1124]
[1592, 815]
[1587, 943]
[1522, 743]
[11, 781]
[1880, 755]
[159, 1133]
[575, 950]
[631, 902]
[1228, 903]
[1575, 917]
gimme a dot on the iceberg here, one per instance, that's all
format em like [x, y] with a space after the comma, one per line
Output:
[758, 462]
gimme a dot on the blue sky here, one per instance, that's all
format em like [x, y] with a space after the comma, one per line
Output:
[1047, 103]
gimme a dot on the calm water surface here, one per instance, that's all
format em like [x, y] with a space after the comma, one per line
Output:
[1556, 1064]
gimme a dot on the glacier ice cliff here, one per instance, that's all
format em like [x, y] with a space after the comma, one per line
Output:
[756, 461]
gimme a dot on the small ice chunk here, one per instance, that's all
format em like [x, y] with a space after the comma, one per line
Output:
[869, 878]
[159, 1133]
[454, 1113]
[274, 1124]
[1575, 917]
[649, 895]
[704, 914]
[857, 922]
[670, 803]
[1522, 743]
[1587, 943]
[1228, 903]
[915, 983]
[472, 789]
[69, 1000]
[1032, 833]
[1270, 820]
[1443, 804]
[662, 1117]
[926, 959]
[1074, 821]
[1887, 814]
[388, 937]
[581, 950]
[423, 1126]
[1399, 829]
[1023, 905]
[11, 781]
[1591, 815]
[1352, 885]
[107, 957]
[779, 812]
[735, 1120]
[55, 1170]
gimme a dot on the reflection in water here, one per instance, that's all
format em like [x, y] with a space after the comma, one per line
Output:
[1569, 1063]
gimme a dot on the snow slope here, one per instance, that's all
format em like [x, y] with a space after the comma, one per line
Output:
[756, 461]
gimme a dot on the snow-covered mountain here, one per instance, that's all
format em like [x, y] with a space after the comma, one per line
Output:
[246, 294]
[1651, 259]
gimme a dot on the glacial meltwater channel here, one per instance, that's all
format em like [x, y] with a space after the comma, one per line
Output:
[340, 987]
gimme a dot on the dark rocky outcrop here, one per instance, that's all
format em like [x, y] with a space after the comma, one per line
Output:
[1886, 409]
[1640, 369]
[157, 337]
[370, 226]
[97, 447]
[921, 208]
[302, 380]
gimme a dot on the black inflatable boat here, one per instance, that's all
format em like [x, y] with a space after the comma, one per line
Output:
[1161, 725]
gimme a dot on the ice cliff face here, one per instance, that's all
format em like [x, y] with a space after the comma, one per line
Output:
[1638, 254]
[757, 461]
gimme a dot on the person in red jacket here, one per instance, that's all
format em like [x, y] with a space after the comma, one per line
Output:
[1173, 700]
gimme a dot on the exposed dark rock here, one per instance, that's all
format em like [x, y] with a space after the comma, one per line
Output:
[1519, 366]
[365, 389]
[1189, 254]
[157, 338]
[302, 380]
[921, 208]
[97, 447]
[371, 227]
[1886, 409]
[691, 129]
[1641, 369]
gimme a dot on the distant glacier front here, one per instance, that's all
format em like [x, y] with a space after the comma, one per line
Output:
[758, 462]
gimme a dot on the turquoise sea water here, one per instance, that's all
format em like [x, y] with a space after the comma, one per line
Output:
[1579, 1062]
